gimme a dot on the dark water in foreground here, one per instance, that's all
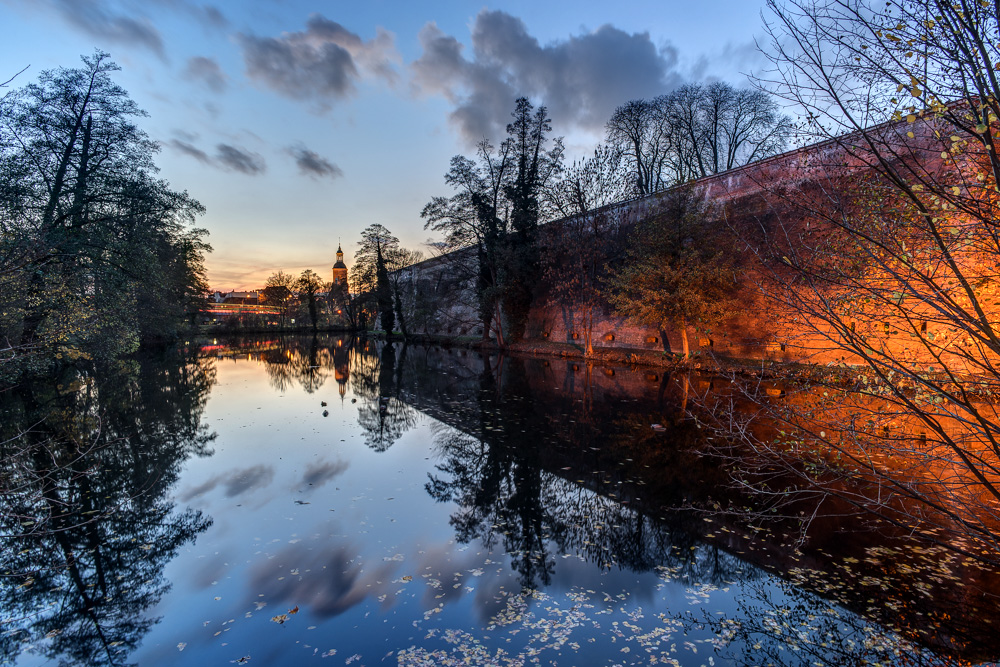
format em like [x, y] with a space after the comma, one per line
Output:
[325, 501]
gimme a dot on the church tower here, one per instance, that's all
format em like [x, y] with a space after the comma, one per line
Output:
[340, 271]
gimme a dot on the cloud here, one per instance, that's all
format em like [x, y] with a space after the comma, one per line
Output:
[94, 18]
[322, 64]
[228, 157]
[240, 159]
[207, 72]
[580, 79]
[312, 164]
[190, 150]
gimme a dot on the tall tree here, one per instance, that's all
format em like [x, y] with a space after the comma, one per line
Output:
[93, 233]
[370, 264]
[309, 284]
[477, 216]
[535, 166]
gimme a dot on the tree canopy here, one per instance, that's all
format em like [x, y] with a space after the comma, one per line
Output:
[96, 253]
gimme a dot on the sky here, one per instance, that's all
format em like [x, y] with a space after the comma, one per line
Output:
[297, 124]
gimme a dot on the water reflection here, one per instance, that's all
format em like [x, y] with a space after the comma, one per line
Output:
[87, 458]
[546, 457]
[495, 509]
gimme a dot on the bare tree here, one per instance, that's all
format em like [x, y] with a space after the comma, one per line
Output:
[397, 260]
[577, 247]
[695, 131]
[887, 260]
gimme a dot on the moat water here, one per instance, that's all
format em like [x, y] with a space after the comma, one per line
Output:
[334, 501]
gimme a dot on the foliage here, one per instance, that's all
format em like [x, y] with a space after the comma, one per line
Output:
[477, 216]
[96, 252]
[895, 271]
[677, 271]
[309, 284]
[372, 273]
[497, 208]
[577, 247]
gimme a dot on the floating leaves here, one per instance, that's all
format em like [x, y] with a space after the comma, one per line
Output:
[281, 618]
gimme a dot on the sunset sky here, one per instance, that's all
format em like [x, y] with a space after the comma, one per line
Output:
[299, 123]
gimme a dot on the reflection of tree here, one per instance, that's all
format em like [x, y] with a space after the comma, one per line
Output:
[301, 360]
[499, 469]
[778, 623]
[87, 524]
[382, 415]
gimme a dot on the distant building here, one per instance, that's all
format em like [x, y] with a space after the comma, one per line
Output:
[339, 271]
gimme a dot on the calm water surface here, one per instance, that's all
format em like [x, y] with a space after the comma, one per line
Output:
[339, 502]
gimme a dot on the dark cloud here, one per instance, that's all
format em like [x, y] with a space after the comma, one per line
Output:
[190, 150]
[240, 159]
[581, 79]
[235, 483]
[228, 157]
[208, 15]
[97, 20]
[323, 63]
[207, 72]
[312, 164]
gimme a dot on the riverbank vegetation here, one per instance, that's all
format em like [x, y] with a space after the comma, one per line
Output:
[97, 255]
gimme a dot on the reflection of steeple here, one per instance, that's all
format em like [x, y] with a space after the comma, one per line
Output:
[341, 366]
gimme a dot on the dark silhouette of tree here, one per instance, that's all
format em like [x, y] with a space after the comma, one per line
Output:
[534, 166]
[309, 284]
[104, 253]
[694, 131]
[371, 269]
[476, 216]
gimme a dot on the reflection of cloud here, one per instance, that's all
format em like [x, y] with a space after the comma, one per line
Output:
[313, 164]
[207, 72]
[581, 79]
[322, 63]
[330, 580]
[318, 474]
[236, 482]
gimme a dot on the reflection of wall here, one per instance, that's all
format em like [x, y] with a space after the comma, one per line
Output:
[588, 430]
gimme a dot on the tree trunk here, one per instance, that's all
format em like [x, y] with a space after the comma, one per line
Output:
[666, 341]
[684, 339]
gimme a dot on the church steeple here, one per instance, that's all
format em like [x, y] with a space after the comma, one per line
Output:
[339, 268]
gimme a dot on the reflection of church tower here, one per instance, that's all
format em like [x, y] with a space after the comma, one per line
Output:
[342, 366]
[340, 271]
